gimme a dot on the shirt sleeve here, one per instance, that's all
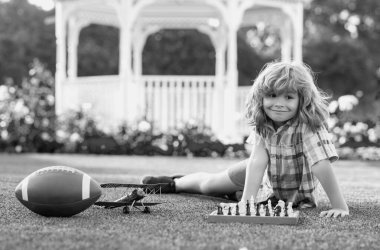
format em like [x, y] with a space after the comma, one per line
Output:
[318, 146]
[254, 137]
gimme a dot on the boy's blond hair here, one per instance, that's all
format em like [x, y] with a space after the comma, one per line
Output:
[280, 77]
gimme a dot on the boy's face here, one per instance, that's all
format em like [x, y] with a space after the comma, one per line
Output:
[281, 107]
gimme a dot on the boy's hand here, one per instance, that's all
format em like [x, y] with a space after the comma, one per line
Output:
[334, 213]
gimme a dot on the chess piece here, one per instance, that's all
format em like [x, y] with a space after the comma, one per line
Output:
[257, 209]
[267, 211]
[262, 210]
[229, 211]
[237, 209]
[270, 208]
[277, 210]
[290, 209]
[220, 210]
[282, 206]
[252, 205]
[247, 209]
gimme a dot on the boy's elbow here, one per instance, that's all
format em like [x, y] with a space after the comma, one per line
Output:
[321, 168]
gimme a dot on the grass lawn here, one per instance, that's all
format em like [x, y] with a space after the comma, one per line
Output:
[180, 223]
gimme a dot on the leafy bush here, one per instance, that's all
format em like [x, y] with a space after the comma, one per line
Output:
[79, 134]
[27, 115]
[354, 139]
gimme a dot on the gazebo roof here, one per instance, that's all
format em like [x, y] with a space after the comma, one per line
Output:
[171, 13]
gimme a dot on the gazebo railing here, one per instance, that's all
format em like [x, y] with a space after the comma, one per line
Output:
[241, 123]
[171, 101]
[168, 101]
[99, 93]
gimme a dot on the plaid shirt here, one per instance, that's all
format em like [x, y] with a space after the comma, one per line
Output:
[292, 150]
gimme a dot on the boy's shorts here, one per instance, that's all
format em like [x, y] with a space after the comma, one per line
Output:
[237, 173]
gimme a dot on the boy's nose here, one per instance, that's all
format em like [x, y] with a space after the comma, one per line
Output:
[278, 103]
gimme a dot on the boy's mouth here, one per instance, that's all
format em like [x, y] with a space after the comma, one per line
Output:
[275, 110]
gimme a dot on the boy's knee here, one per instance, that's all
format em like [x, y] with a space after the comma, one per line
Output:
[206, 185]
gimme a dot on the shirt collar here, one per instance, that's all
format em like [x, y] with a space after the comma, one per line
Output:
[288, 124]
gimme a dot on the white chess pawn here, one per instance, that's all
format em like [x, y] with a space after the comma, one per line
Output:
[242, 207]
[262, 210]
[281, 203]
[290, 209]
[270, 208]
[252, 206]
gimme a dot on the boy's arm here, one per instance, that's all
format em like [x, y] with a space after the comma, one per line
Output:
[324, 172]
[256, 166]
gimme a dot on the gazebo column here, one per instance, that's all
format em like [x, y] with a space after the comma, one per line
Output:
[140, 34]
[220, 66]
[60, 74]
[230, 90]
[137, 48]
[286, 42]
[73, 40]
[297, 24]
[127, 96]
[218, 40]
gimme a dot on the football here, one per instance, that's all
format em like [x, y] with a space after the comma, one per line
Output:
[58, 191]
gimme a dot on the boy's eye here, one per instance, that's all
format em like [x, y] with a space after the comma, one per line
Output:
[272, 95]
[290, 97]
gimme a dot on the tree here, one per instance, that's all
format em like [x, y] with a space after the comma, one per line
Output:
[188, 52]
[257, 45]
[24, 36]
[249, 61]
[341, 67]
[178, 52]
[341, 44]
[98, 51]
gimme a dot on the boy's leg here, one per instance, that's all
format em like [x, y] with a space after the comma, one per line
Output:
[218, 184]
[226, 182]
[206, 183]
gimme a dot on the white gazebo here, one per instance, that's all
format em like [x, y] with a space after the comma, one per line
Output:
[215, 100]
